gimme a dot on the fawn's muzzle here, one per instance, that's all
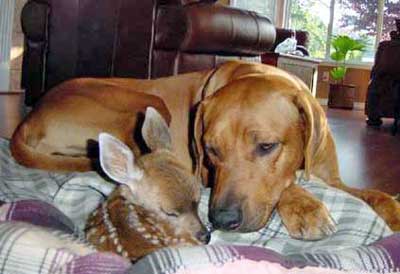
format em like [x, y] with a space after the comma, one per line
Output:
[204, 236]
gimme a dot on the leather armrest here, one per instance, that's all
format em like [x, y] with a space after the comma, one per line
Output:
[183, 2]
[204, 28]
[189, 2]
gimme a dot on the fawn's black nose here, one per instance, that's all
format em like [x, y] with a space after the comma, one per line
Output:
[226, 218]
[203, 236]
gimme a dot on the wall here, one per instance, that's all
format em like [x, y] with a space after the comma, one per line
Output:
[356, 76]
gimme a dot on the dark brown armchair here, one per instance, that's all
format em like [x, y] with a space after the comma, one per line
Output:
[133, 38]
[383, 96]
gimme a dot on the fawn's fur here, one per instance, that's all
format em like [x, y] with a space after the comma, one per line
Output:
[156, 205]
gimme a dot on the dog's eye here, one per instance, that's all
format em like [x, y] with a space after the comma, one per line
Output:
[212, 151]
[265, 148]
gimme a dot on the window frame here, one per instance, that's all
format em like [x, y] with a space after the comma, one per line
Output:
[234, 3]
[327, 60]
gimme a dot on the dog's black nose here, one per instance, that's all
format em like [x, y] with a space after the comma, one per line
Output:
[226, 218]
[203, 236]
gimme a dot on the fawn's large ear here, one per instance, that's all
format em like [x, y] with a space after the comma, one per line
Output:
[155, 130]
[117, 160]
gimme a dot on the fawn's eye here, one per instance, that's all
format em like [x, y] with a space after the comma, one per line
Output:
[170, 213]
[263, 149]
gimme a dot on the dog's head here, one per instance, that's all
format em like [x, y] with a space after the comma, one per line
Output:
[252, 135]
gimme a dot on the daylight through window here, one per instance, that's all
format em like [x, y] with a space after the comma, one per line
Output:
[369, 20]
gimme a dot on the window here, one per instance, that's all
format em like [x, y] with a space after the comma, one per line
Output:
[312, 16]
[391, 11]
[357, 19]
[265, 7]
[369, 20]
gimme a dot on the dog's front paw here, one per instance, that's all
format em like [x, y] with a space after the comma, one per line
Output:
[306, 218]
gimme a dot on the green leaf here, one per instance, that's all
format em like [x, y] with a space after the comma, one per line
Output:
[345, 48]
[338, 73]
[337, 56]
[343, 45]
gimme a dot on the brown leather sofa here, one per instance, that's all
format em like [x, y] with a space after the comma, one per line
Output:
[133, 38]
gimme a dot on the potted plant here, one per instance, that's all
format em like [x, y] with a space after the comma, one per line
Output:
[342, 95]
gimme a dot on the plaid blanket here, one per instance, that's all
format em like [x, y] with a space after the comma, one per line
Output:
[380, 257]
[75, 194]
[44, 214]
[357, 225]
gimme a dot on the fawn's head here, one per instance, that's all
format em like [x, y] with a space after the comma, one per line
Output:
[156, 203]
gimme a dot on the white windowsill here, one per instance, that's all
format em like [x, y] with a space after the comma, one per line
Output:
[366, 66]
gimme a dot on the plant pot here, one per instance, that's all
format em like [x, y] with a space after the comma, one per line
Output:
[341, 96]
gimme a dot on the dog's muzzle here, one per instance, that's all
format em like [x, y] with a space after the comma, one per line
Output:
[226, 218]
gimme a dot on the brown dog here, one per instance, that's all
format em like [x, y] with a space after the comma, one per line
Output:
[254, 133]
[257, 126]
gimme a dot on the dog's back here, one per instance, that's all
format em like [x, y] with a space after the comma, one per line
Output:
[59, 132]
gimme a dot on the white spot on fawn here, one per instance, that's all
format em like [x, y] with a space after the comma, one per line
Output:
[102, 239]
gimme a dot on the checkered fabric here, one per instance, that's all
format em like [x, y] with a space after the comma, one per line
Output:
[62, 202]
[357, 224]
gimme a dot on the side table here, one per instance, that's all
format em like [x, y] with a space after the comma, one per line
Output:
[305, 68]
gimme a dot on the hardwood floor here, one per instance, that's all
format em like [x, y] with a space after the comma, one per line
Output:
[368, 157]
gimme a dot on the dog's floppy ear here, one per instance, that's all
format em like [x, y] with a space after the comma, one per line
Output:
[316, 130]
[155, 130]
[117, 161]
[200, 170]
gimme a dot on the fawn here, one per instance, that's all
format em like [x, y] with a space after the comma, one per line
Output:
[155, 204]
